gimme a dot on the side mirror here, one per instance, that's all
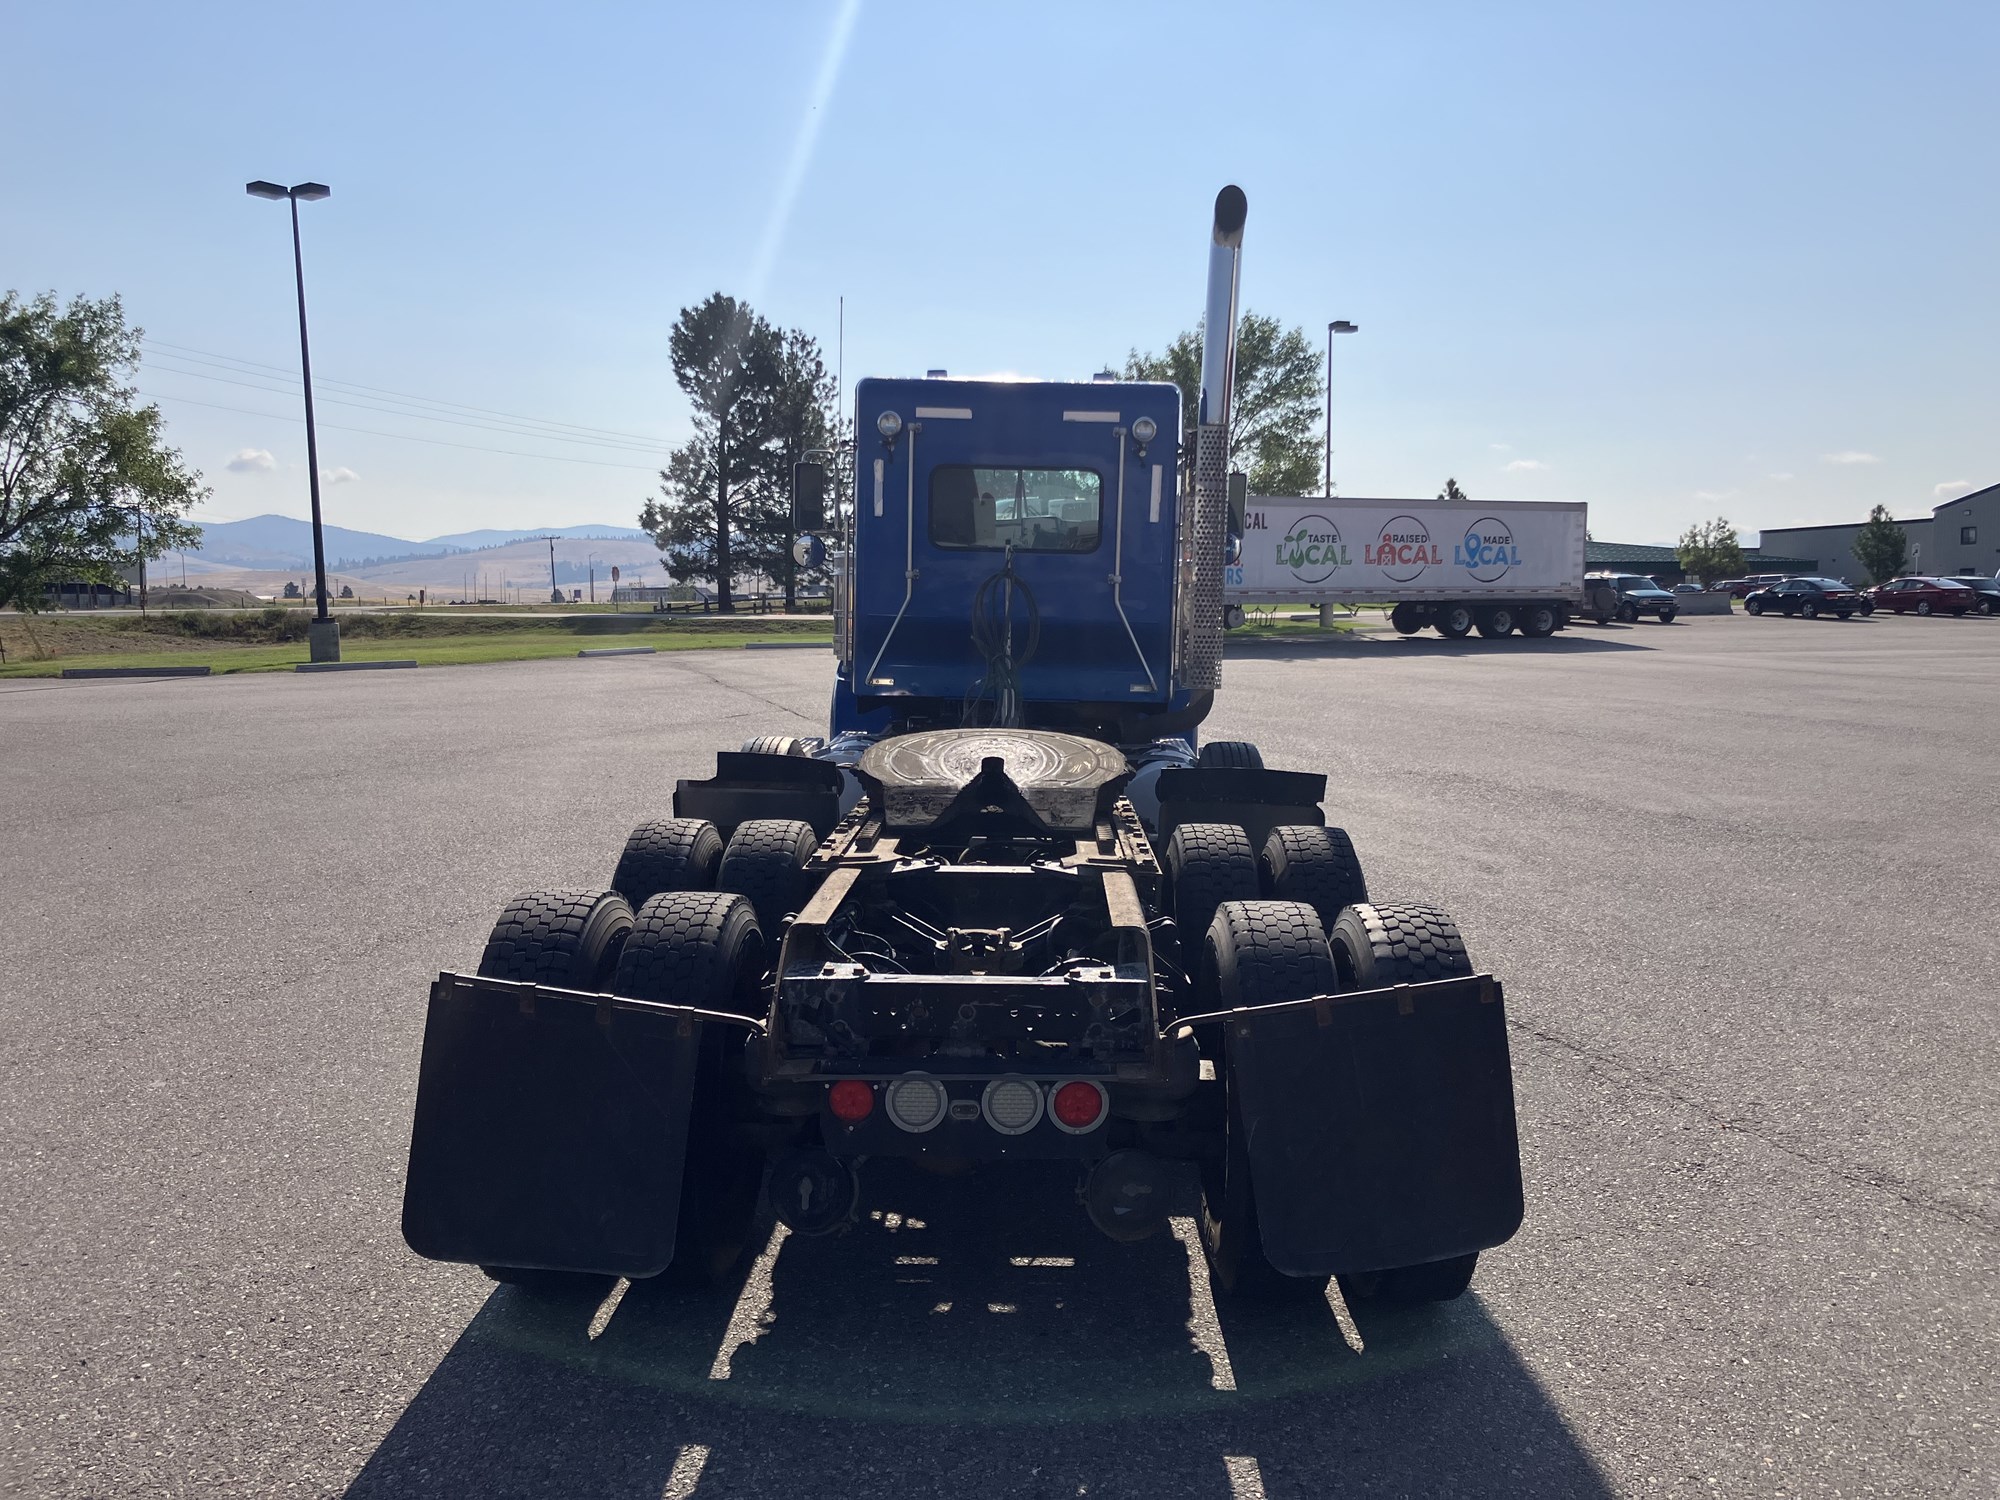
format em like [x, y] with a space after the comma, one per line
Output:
[809, 496]
[1239, 501]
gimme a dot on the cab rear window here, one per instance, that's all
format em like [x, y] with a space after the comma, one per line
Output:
[1031, 510]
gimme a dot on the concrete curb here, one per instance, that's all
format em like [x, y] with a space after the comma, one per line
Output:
[349, 666]
[135, 671]
[788, 645]
[619, 651]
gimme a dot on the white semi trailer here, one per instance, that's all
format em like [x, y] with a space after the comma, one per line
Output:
[1494, 566]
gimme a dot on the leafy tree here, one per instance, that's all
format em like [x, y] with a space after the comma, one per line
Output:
[347, 591]
[86, 485]
[1274, 408]
[1451, 491]
[726, 360]
[1710, 551]
[292, 590]
[1881, 546]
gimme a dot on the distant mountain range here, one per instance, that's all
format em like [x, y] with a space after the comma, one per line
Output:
[281, 542]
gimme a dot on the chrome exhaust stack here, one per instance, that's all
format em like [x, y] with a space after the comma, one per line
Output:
[1204, 536]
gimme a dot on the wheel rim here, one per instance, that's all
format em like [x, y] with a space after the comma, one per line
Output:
[1924, 608]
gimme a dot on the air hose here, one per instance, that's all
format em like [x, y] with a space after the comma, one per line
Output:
[995, 699]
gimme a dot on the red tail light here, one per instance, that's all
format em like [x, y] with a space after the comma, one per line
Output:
[1078, 1105]
[851, 1100]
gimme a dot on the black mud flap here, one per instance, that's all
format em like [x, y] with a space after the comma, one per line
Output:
[550, 1128]
[1380, 1124]
[749, 784]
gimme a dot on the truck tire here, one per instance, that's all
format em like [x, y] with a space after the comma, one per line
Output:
[565, 939]
[1454, 621]
[570, 940]
[1401, 943]
[1232, 755]
[1667, 616]
[1406, 619]
[1496, 621]
[1206, 864]
[765, 861]
[1539, 621]
[667, 854]
[1256, 953]
[774, 744]
[1318, 866]
[705, 948]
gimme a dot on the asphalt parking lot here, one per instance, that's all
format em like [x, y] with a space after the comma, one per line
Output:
[1738, 877]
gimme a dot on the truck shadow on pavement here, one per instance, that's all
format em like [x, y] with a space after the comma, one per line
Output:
[973, 1337]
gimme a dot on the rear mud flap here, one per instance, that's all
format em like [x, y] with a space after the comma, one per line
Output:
[1380, 1125]
[550, 1129]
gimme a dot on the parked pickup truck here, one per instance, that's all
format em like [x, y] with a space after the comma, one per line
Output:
[1626, 596]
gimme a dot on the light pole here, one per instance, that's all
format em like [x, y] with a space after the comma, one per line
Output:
[1339, 325]
[323, 635]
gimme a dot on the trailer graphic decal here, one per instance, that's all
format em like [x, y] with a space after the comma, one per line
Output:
[1488, 550]
[1313, 549]
[1403, 550]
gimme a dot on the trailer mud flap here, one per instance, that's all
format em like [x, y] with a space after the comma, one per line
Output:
[1380, 1125]
[550, 1128]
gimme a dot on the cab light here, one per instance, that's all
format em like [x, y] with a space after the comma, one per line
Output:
[851, 1101]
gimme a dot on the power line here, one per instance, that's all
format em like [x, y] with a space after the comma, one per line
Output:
[559, 458]
[228, 360]
[391, 411]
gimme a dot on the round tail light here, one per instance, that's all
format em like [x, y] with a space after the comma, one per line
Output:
[915, 1102]
[1078, 1105]
[1012, 1106]
[851, 1100]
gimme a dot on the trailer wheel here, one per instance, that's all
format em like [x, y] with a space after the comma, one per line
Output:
[1454, 621]
[1232, 755]
[1257, 953]
[1406, 618]
[705, 948]
[774, 744]
[1539, 620]
[569, 940]
[1318, 866]
[765, 860]
[566, 939]
[667, 854]
[1206, 864]
[1402, 943]
[1496, 622]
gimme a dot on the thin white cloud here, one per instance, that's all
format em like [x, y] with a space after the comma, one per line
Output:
[252, 461]
[1849, 456]
[1713, 494]
[1501, 447]
[1784, 476]
[1951, 487]
[1524, 465]
[342, 475]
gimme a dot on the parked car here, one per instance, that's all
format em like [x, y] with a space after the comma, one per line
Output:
[1689, 588]
[1988, 590]
[1627, 596]
[1925, 596]
[1808, 598]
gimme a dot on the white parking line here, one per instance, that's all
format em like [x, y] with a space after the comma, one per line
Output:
[1246, 1480]
[686, 1474]
[751, 1305]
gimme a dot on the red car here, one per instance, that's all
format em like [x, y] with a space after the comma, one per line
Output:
[1925, 596]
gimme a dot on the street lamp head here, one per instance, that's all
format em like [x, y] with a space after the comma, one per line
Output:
[1343, 326]
[264, 190]
[311, 192]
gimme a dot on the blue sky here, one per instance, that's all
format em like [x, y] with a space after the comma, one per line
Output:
[1673, 259]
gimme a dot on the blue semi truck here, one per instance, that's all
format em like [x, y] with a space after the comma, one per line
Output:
[1010, 906]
